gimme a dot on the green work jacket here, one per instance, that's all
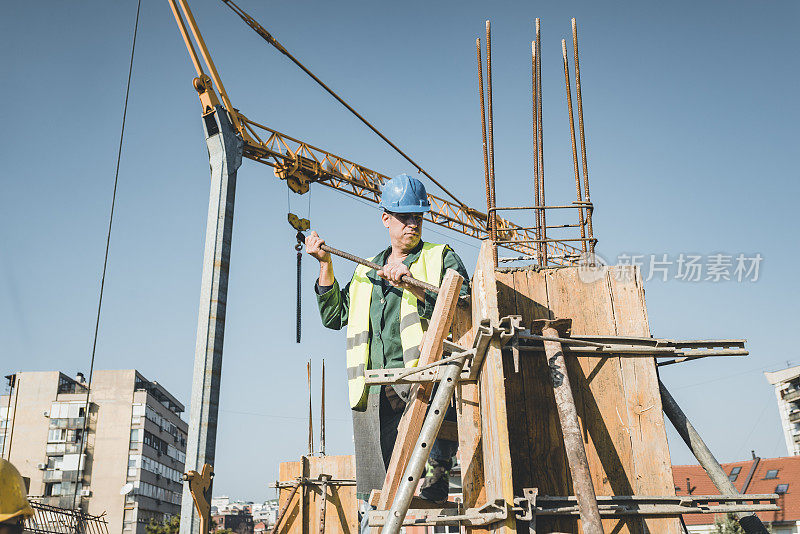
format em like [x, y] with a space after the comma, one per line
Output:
[385, 349]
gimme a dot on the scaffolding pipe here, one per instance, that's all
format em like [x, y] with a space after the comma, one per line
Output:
[748, 520]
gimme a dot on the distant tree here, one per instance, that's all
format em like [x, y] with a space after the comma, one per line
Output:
[727, 525]
[730, 525]
[168, 526]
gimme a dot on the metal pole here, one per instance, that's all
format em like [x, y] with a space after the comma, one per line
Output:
[422, 449]
[574, 147]
[541, 136]
[748, 520]
[225, 157]
[310, 414]
[570, 428]
[492, 214]
[372, 265]
[322, 414]
[580, 129]
[324, 502]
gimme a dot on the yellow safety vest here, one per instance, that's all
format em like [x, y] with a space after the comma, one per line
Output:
[428, 268]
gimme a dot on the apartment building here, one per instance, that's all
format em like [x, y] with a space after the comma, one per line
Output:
[787, 391]
[129, 463]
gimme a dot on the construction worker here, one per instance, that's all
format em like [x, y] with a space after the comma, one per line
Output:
[14, 506]
[385, 319]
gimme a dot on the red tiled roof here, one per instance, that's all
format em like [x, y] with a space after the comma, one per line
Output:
[788, 473]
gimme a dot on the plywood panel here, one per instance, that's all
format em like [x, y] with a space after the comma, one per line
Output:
[304, 513]
[537, 452]
[295, 519]
[598, 387]
[642, 401]
[341, 515]
[617, 398]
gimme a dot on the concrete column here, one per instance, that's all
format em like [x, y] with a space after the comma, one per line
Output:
[225, 157]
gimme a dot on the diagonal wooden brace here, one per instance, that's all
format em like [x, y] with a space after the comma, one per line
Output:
[414, 416]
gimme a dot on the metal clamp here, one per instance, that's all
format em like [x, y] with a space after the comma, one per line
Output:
[489, 513]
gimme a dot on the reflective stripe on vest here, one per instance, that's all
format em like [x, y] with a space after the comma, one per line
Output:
[428, 268]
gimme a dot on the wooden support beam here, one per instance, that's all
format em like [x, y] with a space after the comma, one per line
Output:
[414, 416]
[492, 423]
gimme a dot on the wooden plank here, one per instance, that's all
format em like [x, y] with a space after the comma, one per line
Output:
[645, 417]
[494, 416]
[514, 389]
[598, 387]
[341, 515]
[414, 415]
[468, 416]
[295, 519]
[539, 444]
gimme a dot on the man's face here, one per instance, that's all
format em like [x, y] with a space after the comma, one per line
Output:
[405, 229]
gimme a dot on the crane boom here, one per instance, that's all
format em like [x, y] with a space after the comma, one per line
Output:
[302, 164]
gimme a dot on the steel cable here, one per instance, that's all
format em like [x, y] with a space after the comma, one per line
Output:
[105, 259]
[260, 30]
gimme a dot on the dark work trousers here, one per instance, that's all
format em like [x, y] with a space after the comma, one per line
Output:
[391, 412]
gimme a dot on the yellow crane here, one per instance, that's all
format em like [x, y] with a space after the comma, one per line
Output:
[230, 137]
[301, 164]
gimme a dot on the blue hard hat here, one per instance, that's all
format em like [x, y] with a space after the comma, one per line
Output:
[404, 194]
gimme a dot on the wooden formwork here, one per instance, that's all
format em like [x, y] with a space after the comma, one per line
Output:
[303, 514]
[509, 434]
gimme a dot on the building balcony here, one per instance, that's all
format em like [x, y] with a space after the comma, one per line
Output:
[792, 396]
[52, 475]
[71, 423]
[794, 417]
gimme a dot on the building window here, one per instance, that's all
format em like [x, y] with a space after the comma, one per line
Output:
[781, 488]
[772, 473]
[136, 438]
[56, 435]
[734, 473]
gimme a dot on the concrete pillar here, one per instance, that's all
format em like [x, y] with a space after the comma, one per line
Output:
[225, 157]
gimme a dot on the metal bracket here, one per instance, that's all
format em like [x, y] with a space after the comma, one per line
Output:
[532, 505]
[484, 515]
[507, 329]
[524, 507]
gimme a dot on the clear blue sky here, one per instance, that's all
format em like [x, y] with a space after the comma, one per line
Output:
[690, 111]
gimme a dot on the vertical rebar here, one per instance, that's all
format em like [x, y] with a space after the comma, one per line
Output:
[489, 212]
[574, 148]
[310, 413]
[322, 414]
[541, 136]
[490, 138]
[582, 137]
[537, 211]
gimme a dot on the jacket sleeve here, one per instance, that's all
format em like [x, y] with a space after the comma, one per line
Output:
[451, 261]
[334, 304]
